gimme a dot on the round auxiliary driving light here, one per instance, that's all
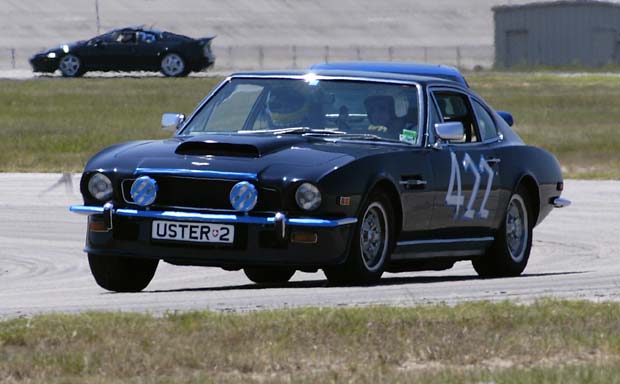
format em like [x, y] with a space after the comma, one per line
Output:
[243, 196]
[308, 197]
[100, 187]
[144, 191]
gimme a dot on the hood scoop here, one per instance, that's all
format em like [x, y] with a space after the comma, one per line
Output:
[209, 148]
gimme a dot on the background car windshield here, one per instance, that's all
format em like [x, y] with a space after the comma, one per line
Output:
[390, 111]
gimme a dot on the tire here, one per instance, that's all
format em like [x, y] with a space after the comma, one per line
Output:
[70, 66]
[372, 244]
[264, 275]
[173, 65]
[509, 254]
[122, 274]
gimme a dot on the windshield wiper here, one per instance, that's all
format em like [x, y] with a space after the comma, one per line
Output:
[294, 131]
[369, 137]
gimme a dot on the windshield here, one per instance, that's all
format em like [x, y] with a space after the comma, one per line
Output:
[351, 109]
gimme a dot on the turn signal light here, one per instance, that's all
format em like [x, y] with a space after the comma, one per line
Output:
[97, 226]
[304, 237]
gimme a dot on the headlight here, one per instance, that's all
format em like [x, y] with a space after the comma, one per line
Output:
[51, 55]
[308, 197]
[100, 187]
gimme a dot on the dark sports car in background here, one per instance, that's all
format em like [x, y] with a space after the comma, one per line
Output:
[352, 172]
[128, 49]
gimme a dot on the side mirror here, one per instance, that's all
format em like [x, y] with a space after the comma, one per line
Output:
[450, 131]
[507, 116]
[172, 121]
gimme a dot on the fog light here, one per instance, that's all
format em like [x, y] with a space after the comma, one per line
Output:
[304, 237]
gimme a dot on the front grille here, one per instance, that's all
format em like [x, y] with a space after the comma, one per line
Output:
[200, 193]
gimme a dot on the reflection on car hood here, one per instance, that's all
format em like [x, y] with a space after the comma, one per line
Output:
[267, 156]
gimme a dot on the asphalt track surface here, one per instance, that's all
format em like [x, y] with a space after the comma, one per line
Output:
[43, 269]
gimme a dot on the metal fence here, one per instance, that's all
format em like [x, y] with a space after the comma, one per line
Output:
[257, 57]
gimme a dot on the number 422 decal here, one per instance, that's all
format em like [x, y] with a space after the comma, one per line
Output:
[458, 199]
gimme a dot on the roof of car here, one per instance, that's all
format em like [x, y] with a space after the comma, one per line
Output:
[433, 70]
[388, 76]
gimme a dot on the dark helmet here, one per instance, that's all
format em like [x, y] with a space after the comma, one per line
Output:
[288, 106]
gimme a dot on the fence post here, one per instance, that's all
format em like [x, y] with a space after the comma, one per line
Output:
[391, 53]
[261, 57]
[13, 58]
[327, 53]
[426, 54]
[458, 57]
[358, 53]
[230, 57]
[294, 56]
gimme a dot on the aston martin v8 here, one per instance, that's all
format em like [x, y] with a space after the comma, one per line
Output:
[351, 172]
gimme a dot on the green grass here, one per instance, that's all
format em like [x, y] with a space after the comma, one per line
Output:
[549, 341]
[574, 117]
[55, 125]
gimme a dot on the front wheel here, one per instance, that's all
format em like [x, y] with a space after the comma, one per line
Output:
[509, 254]
[122, 274]
[265, 275]
[173, 65]
[70, 66]
[370, 247]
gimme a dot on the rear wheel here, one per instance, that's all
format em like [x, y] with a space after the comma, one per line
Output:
[509, 254]
[70, 66]
[122, 274]
[370, 247]
[262, 275]
[173, 65]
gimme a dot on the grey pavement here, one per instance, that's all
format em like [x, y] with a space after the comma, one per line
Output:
[43, 269]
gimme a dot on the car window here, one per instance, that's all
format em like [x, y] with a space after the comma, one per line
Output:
[145, 37]
[126, 37]
[229, 113]
[370, 109]
[486, 125]
[455, 106]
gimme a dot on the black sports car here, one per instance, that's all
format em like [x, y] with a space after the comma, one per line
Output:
[352, 172]
[128, 49]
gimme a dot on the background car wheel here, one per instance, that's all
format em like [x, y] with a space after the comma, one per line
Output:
[173, 65]
[70, 66]
[269, 274]
[509, 254]
[122, 274]
[371, 246]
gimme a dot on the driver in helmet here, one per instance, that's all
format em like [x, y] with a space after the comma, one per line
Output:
[381, 114]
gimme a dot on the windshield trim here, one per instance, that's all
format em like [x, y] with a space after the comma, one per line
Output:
[362, 79]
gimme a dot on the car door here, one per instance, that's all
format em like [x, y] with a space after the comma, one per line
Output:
[146, 51]
[119, 53]
[465, 171]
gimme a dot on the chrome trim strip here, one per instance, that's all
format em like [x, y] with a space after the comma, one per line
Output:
[447, 241]
[197, 173]
[559, 202]
[216, 218]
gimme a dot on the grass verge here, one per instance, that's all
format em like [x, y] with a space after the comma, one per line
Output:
[55, 125]
[548, 341]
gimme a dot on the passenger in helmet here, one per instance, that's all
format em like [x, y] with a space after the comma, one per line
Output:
[288, 107]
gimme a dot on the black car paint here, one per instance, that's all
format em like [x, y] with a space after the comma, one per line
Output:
[102, 54]
[339, 168]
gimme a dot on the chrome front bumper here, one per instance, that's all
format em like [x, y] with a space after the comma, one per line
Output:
[276, 219]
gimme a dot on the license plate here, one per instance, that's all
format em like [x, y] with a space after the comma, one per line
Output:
[194, 232]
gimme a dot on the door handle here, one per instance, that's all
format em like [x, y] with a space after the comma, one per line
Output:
[413, 183]
[493, 160]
